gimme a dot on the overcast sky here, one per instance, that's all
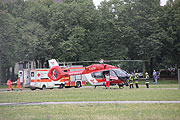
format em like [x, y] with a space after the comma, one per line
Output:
[97, 2]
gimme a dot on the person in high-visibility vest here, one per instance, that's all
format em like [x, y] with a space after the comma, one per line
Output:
[147, 80]
[107, 80]
[19, 84]
[131, 82]
[9, 85]
[136, 78]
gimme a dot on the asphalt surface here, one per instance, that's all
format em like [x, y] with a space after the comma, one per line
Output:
[89, 102]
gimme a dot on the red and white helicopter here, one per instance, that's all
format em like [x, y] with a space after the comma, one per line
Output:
[95, 74]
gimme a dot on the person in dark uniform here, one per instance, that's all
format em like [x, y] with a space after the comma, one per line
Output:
[136, 79]
[147, 80]
[131, 82]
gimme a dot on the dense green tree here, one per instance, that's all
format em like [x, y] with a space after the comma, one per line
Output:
[34, 42]
[37, 12]
[8, 48]
[171, 24]
[75, 30]
[145, 22]
[66, 18]
[111, 44]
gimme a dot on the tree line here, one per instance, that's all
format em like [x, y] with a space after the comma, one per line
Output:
[77, 30]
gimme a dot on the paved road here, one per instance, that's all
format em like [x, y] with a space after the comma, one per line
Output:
[88, 102]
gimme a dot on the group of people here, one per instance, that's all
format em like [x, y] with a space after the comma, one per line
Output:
[9, 83]
[135, 79]
[131, 81]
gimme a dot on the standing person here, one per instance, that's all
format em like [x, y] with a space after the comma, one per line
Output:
[9, 85]
[155, 76]
[107, 81]
[131, 82]
[147, 80]
[19, 84]
[136, 78]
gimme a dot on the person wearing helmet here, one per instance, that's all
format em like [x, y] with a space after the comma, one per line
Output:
[136, 78]
[147, 80]
[131, 82]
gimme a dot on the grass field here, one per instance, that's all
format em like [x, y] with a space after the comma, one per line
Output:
[93, 111]
[90, 94]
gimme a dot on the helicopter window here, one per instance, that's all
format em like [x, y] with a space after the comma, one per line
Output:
[104, 73]
[97, 75]
[32, 74]
[120, 73]
[112, 73]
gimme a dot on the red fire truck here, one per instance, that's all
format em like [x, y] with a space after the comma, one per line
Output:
[75, 80]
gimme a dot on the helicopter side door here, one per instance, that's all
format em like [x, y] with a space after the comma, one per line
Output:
[99, 76]
[114, 78]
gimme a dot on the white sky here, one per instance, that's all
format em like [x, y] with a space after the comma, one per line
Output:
[97, 2]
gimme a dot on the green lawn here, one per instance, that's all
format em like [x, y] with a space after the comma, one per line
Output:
[161, 81]
[92, 112]
[90, 94]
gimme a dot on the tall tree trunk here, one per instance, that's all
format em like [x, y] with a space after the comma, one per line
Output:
[42, 63]
[47, 64]
[36, 63]
[12, 75]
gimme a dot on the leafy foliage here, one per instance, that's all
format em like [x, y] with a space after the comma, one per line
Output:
[73, 30]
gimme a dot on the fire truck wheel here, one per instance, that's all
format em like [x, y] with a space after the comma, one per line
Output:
[78, 84]
[32, 88]
[43, 87]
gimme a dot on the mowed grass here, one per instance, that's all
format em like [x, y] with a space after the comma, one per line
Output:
[92, 112]
[91, 94]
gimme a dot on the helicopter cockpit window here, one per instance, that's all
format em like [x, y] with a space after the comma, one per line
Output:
[97, 75]
[120, 73]
[112, 73]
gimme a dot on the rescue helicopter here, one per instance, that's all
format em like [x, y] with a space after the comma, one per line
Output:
[95, 73]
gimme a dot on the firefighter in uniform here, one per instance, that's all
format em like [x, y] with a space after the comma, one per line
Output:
[19, 84]
[9, 85]
[136, 78]
[147, 80]
[131, 81]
